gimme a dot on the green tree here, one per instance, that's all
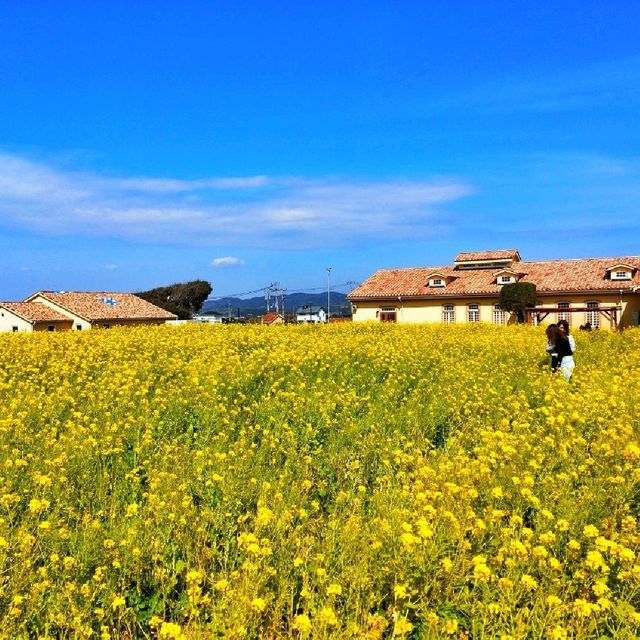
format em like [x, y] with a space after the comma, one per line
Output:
[183, 298]
[518, 296]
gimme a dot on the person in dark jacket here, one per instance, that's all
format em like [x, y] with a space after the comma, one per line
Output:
[560, 349]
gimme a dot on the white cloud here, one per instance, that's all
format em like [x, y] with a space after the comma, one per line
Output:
[227, 261]
[159, 185]
[110, 267]
[253, 210]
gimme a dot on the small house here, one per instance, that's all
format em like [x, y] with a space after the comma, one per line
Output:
[102, 310]
[311, 313]
[272, 317]
[212, 317]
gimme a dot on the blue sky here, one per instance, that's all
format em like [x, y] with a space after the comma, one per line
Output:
[251, 142]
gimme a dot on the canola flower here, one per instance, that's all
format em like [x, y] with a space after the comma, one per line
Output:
[349, 481]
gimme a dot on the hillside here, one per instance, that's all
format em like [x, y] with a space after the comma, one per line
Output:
[257, 305]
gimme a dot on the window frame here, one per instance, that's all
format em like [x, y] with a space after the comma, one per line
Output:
[473, 314]
[593, 317]
[564, 315]
[448, 313]
[388, 314]
[499, 314]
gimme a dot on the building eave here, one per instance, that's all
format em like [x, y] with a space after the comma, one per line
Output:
[487, 294]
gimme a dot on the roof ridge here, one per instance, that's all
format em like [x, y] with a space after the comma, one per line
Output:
[448, 266]
[579, 259]
[61, 291]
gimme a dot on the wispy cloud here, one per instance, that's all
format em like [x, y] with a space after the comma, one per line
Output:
[227, 261]
[110, 267]
[159, 185]
[253, 210]
[555, 199]
[604, 84]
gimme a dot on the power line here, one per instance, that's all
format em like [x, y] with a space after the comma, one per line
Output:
[275, 286]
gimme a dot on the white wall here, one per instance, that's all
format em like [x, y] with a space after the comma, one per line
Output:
[8, 320]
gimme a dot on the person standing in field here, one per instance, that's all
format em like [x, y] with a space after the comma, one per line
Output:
[568, 363]
[559, 347]
[563, 326]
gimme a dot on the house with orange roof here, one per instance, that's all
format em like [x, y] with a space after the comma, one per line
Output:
[272, 317]
[605, 292]
[83, 310]
[32, 316]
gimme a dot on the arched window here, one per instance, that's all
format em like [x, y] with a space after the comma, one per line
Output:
[473, 313]
[448, 314]
[499, 315]
[564, 315]
[593, 317]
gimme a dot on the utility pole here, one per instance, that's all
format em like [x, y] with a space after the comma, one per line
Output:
[351, 284]
[275, 287]
[328, 293]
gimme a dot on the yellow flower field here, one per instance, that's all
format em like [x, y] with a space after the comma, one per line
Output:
[349, 481]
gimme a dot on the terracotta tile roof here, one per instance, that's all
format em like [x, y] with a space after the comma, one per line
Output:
[35, 312]
[271, 316]
[549, 277]
[95, 305]
[498, 254]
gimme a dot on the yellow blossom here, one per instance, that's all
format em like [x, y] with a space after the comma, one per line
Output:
[302, 623]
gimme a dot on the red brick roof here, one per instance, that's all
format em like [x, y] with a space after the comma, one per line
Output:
[498, 254]
[95, 305]
[35, 312]
[549, 276]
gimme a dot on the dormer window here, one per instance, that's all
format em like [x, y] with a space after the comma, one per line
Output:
[621, 271]
[437, 279]
[506, 276]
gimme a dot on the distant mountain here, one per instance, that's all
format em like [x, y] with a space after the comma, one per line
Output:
[292, 301]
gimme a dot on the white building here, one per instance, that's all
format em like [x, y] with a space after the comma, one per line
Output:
[210, 318]
[311, 313]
